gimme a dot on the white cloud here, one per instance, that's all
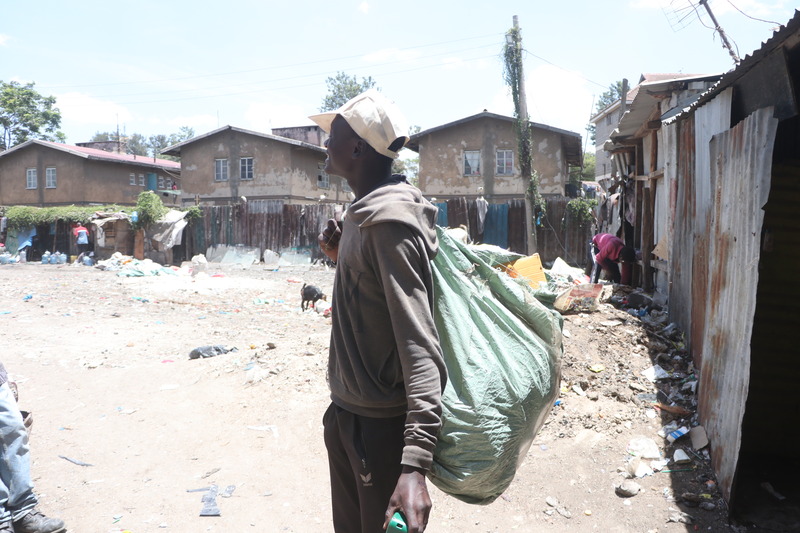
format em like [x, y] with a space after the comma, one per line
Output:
[84, 109]
[363, 7]
[264, 116]
[4, 39]
[556, 97]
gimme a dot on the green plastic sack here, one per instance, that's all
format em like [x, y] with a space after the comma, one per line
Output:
[502, 348]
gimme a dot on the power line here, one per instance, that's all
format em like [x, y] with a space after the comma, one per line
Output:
[540, 58]
[261, 69]
[754, 18]
[288, 78]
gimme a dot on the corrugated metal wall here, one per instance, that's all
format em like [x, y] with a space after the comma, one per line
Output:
[682, 253]
[738, 189]
[711, 119]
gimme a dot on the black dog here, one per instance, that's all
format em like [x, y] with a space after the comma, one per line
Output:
[310, 293]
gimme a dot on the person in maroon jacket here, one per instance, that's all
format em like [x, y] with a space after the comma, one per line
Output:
[608, 250]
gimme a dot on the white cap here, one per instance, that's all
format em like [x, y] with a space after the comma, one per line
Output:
[373, 117]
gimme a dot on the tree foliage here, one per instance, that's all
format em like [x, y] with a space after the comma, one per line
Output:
[610, 96]
[138, 144]
[149, 209]
[587, 173]
[342, 88]
[26, 114]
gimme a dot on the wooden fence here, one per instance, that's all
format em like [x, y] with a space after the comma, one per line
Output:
[274, 225]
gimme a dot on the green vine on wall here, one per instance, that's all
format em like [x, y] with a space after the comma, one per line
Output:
[24, 216]
[512, 74]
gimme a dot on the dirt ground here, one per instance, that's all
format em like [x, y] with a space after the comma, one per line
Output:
[103, 364]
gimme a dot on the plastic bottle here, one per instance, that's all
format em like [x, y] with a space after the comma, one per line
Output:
[397, 524]
[54, 258]
[46, 257]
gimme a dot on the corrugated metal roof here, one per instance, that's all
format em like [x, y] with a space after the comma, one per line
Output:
[647, 98]
[102, 155]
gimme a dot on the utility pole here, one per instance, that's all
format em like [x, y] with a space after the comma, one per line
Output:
[515, 77]
[721, 32]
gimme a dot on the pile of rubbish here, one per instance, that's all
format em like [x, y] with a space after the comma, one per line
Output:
[125, 265]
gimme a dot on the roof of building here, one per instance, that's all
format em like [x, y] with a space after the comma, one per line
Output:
[571, 140]
[648, 96]
[175, 149]
[643, 78]
[99, 155]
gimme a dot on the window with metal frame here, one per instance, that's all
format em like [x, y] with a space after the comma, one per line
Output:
[246, 168]
[132, 179]
[30, 179]
[50, 178]
[141, 180]
[323, 180]
[161, 182]
[472, 162]
[220, 170]
[505, 162]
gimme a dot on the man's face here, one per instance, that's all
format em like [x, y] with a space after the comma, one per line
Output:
[340, 147]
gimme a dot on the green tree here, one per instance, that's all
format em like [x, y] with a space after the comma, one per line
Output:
[342, 88]
[26, 114]
[137, 144]
[158, 143]
[610, 96]
[587, 174]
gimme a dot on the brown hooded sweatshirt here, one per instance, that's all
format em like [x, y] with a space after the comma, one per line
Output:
[385, 358]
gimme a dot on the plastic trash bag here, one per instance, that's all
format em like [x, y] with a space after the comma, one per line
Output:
[502, 348]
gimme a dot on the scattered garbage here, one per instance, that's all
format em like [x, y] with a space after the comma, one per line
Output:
[582, 298]
[699, 437]
[211, 351]
[75, 461]
[560, 509]
[628, 489]
[680, 518]
[678, 433]
[644, 447]
[680, 457]
[210, 507]
[655, 373]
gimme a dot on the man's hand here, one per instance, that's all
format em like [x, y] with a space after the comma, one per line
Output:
[412, 499]
[329, 239]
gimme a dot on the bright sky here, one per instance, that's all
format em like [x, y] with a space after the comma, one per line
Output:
[154, 65]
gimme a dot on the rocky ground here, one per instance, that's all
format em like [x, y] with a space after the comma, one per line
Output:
[129, 432]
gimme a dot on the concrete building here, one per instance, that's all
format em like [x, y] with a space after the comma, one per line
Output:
[43, 173]
[478, 156]
[228, 163]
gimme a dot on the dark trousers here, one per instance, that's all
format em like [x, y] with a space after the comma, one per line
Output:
[364, 457]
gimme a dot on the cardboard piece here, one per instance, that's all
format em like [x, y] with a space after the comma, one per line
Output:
[699, 437]
[528, 267]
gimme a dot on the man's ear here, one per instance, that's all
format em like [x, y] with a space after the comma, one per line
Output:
[360, 148]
